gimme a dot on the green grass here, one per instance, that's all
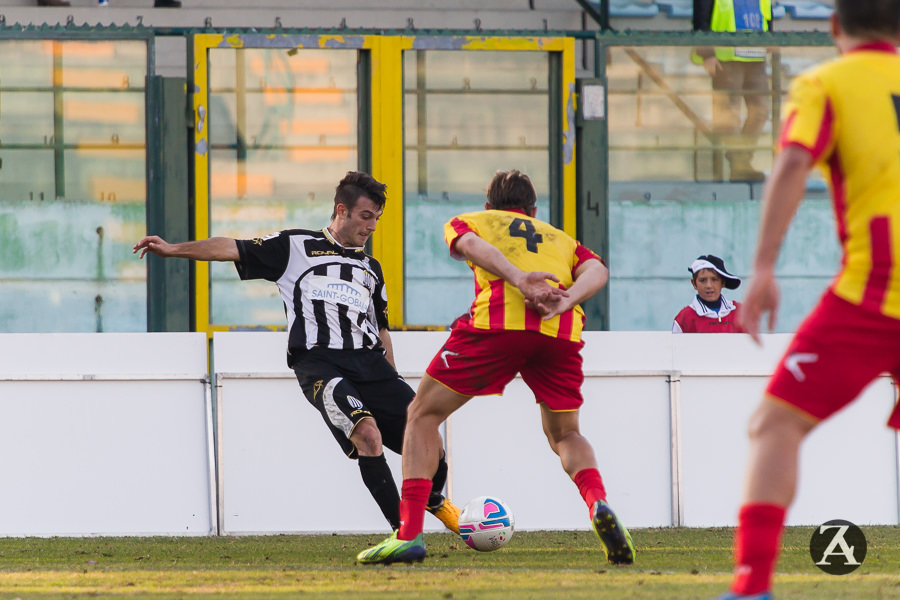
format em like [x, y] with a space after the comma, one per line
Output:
[672, 564]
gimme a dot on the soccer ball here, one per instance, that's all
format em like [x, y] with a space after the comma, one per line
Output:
[486, 524]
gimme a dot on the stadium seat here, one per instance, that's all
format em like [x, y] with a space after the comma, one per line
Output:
[807, 9]
[630, 8]
[677, 9]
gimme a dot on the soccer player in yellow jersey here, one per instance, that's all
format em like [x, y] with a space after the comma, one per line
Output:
[519, 323]
[843, 115]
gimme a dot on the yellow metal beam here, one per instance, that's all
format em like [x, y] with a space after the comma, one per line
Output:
[387, 164]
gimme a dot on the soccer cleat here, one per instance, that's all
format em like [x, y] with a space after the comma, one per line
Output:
[392, 550]
[615, 538]
[734, 596]
[447, 513]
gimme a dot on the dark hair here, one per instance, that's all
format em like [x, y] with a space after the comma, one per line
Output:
[511, 189]
[354, 185]
[869, 18]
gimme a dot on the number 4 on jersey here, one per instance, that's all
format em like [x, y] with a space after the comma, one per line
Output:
[525, 229]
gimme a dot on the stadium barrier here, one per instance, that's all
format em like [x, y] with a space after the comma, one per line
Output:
[112, 434]
[105, 434]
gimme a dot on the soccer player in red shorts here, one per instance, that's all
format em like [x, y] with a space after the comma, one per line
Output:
[842, 115]
[513, 256]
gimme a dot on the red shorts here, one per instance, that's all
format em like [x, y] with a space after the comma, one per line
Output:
[478, 362]
[837, 351]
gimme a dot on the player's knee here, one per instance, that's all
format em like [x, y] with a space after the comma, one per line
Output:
[772, 419]
[367, 438]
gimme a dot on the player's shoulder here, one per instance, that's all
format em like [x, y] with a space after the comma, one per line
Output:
[311, 233]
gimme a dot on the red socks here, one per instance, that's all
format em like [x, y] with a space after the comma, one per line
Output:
[590, 486]
[413, 498]
[757, 543]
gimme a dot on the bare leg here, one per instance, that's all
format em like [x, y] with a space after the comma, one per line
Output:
[573, 449]
[422, 444]
[776, 432]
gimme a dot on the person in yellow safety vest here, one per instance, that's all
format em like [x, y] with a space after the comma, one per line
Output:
[737, 73]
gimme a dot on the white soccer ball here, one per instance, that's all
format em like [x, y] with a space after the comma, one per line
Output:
[486, 524]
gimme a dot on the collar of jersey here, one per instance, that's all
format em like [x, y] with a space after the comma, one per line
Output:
[702, 310]
[331, 239]
[876, 47]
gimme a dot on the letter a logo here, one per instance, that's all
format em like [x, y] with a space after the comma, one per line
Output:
[838, 547]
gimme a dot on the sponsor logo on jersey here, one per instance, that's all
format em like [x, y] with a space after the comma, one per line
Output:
[354, 402]
[317, 387]
[337, 291]
[323, 253]
[360, 412]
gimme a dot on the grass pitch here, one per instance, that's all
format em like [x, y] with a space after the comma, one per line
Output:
[671, 564]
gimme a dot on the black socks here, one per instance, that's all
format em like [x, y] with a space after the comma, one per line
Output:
[376, 474]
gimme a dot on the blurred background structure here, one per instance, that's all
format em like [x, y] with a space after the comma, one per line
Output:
[237, 119]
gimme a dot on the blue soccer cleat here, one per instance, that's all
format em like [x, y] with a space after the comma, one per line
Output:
[733, 596]
[615, 538]
[392, 550]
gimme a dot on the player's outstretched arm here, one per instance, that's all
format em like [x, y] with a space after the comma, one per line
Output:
[216, 248]
[590, 277]
[533, 284]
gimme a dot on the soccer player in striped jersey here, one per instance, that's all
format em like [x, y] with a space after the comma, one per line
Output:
[519, 323]
[843, 115]
[339, 345]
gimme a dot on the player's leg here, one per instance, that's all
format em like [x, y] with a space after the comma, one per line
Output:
[422, 447]
[776, 432]
[375, 471]
[838, 350]
[471, 362]
[388, 401]
[355, 429]
[579, 461]
[554, 373]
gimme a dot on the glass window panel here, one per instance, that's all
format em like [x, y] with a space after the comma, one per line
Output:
[283, 132]
[26, 117]
[104, 64]
[466, 115]
[72, 186]
[671, 192]
[26, 64]
[106, 118]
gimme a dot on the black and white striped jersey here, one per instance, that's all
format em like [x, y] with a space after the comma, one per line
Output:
[334, 297]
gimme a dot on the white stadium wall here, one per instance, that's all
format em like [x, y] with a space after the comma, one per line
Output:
[105, 434]
[111, 434]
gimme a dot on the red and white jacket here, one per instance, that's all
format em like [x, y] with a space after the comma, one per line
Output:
[698, 318]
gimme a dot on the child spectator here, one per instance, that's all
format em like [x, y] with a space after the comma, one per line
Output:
[710, 312]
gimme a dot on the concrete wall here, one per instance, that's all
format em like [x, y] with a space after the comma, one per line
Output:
[112, 434]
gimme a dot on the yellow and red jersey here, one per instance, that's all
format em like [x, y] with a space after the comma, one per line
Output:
[846, 113]
[531, 245]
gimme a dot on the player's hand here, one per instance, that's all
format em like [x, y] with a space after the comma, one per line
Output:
[762, 297]
[536, 289]
[551, 307]
[154, 244]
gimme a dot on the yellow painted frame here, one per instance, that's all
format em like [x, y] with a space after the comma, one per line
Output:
[202, 43]
[387, 149]
[387, 143]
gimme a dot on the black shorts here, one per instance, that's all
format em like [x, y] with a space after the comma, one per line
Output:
[347, 386]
